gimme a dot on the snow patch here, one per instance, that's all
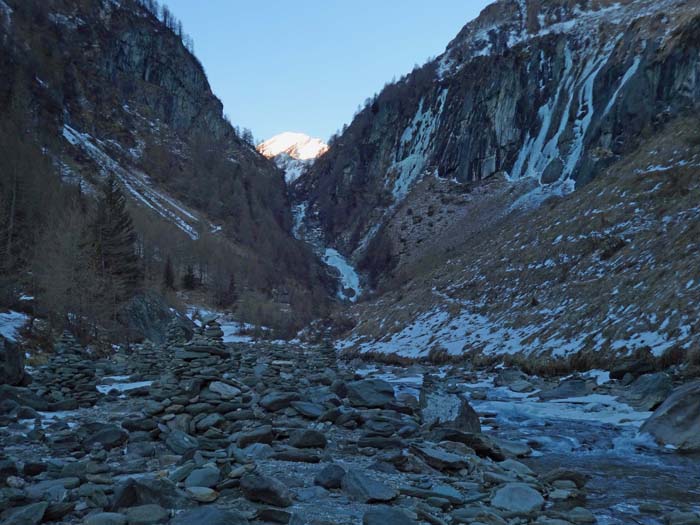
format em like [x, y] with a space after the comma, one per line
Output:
[10, 324]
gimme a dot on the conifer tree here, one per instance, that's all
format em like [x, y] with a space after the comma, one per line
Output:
[189, 280]
[114, 245]
[169, 274]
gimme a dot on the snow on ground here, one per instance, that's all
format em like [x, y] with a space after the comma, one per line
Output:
[122, 387]
[137, 184]
[10, 324]
[349, 278]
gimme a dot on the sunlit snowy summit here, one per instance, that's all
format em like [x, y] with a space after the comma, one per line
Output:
[293, 152]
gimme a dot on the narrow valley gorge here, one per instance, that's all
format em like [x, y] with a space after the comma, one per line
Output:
[476, 304]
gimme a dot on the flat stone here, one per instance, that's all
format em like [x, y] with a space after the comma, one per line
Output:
[307, 438]
[307, 409]
[209, 516]
[441, 459]
[365, 489]
[225, 390]
[147, 514]
[28, 515]
[387, 516]
[202, 494]
[275, 401]
[106, 518]
[180, 442]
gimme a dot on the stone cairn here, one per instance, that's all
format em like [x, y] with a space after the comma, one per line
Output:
[68, 381]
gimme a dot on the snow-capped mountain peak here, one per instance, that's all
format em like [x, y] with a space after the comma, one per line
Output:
[292, 152]
[297, 145]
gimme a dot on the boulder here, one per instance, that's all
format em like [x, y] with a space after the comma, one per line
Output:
[265, 489]
[28, 515]
[134, 492]
[370, 393]
[307, 438]
[148, 316]
[207, 476]
[330, 477]
[109, 436]
[648, 391]
[518, 498]
[574, 387]
[677, 421]
[439, 409]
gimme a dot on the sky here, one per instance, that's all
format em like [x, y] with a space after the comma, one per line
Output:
[306, 65]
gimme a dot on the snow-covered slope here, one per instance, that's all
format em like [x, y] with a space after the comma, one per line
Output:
[293, 152]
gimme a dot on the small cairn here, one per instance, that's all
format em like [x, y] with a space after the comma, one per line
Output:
[69, 377]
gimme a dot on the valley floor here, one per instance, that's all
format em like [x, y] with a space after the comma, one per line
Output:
[207, 432]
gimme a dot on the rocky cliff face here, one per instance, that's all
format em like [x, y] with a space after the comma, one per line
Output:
[106, 88]
[544, 93]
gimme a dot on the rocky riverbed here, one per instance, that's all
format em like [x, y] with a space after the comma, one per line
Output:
[203, 432]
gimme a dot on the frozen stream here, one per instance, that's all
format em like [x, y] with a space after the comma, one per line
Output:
[632, 479]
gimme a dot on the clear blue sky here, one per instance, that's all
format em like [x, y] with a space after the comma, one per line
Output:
[305, 65]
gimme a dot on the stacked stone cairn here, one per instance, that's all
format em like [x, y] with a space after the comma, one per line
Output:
[68, 382]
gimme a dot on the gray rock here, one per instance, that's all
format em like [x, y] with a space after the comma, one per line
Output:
[365, 489]
[133, 492]
[275, 401]
[307, 438]
[330, 477]
[387, 516]
[146, 515]
[264, 489]
[225, 390]
[149, 316]
[109, 436]
[209, 516]
[203, 477]
[28, 515]
[439, 409]
[262, 434]
[677, 421]
[648, 391]
[518, 498]
[106, 518]
[574, 387]
[180, 442]
[370, 393]
[202, 494]
[441, 459]
[307, 409]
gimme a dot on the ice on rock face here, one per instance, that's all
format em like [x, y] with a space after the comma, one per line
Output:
[349, 279]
